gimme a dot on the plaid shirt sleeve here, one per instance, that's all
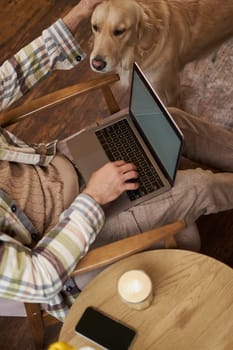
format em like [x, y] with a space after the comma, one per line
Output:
[38, 275]
[55, 49]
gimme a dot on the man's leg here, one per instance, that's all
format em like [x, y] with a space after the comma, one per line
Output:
[205, 142]
[196, 192]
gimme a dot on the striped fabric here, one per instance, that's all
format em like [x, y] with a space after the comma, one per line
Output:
[41, 274]
[54, 49]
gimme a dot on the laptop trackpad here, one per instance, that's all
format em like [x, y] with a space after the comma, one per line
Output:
[87, 153]
[91, 163]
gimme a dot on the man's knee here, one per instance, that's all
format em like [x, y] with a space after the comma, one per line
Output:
[195, 186]
[195, 178]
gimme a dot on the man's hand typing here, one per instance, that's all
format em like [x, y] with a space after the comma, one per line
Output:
[110, 181]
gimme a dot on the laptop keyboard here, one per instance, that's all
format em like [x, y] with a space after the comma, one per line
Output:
[119, 142]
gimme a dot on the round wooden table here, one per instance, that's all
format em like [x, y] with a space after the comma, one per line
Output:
[192, 306]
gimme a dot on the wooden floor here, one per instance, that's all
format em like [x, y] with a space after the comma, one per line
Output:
[23, 20]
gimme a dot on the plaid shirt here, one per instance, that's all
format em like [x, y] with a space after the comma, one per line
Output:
[41, 274]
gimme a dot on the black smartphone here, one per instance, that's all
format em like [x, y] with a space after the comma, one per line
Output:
[104, 330]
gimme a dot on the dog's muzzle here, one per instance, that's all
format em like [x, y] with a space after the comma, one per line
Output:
[98, 63]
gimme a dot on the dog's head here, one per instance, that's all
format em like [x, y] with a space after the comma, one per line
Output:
[122, 30]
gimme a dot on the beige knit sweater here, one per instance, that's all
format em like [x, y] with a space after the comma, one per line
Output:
[38, 191]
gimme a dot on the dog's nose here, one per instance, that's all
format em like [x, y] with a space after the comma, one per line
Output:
[98, 63]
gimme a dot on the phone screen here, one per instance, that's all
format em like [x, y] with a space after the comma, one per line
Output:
[104, 330]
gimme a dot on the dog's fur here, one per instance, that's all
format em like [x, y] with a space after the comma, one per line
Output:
[160, 35]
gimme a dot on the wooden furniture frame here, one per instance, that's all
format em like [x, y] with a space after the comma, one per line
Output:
[109, 253]
[26, 110]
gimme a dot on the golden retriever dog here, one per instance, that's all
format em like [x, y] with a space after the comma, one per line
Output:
[160, 35]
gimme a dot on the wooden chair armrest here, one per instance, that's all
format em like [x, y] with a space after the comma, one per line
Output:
[112, 252]
[19, 113]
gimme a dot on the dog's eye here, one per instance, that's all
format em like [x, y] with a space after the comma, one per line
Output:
[118, 32]
[95, 28]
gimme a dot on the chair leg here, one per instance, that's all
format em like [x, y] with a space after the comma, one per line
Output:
[36, 323]
[110, 100]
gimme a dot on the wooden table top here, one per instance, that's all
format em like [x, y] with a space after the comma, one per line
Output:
[192, 306]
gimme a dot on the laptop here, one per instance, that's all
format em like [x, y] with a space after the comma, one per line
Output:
[145, 135]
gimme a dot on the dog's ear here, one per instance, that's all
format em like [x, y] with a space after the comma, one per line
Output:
[148, 29]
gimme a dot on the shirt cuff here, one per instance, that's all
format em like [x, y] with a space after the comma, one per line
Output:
[66, 42]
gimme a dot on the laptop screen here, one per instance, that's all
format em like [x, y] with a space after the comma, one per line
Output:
[156, 123]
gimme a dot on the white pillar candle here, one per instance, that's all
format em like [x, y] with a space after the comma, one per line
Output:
[135, 289]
